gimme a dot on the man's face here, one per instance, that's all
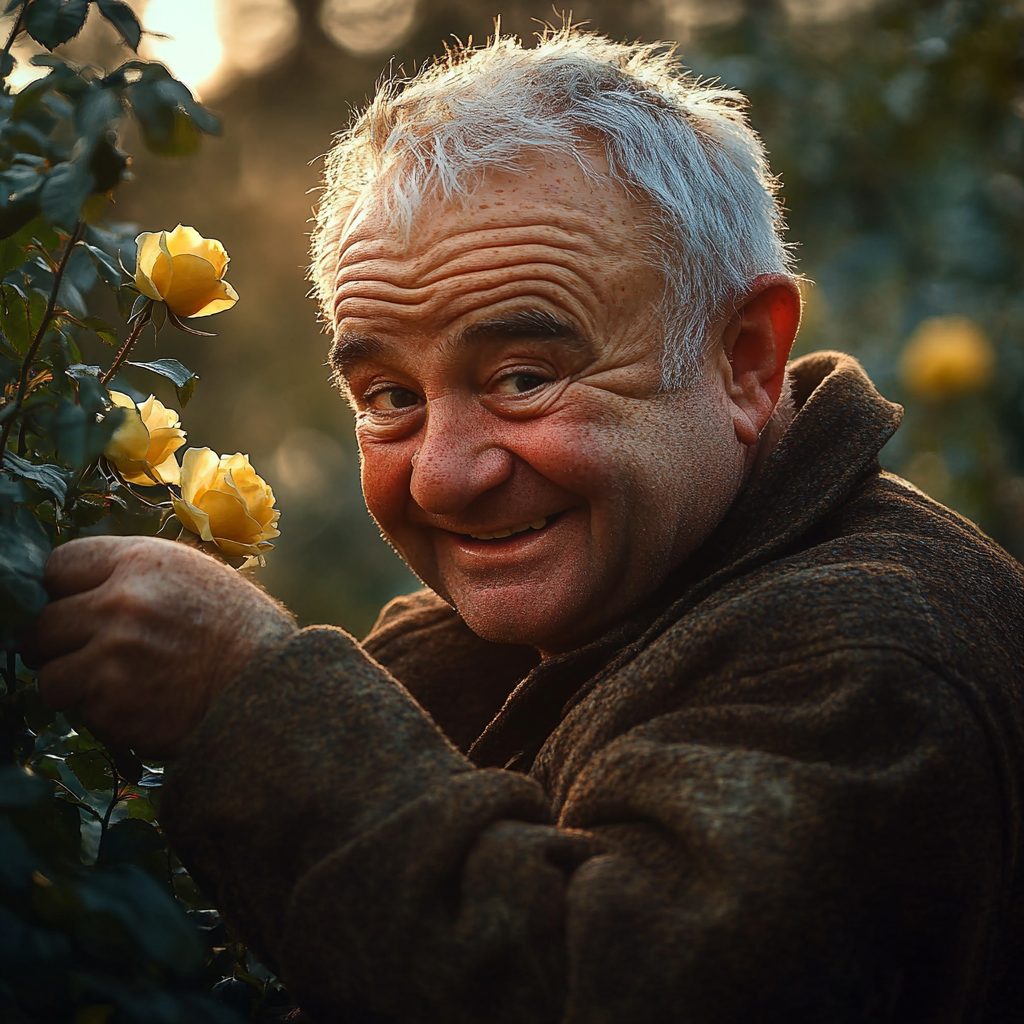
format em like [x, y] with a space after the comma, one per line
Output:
[516, 446]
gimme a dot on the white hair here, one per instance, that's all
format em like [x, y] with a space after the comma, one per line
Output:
[681, 147]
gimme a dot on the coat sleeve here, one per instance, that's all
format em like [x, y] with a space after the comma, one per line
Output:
[832, 858]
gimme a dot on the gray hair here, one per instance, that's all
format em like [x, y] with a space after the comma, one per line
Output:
[681, 147]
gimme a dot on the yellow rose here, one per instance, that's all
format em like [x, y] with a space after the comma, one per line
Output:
[946, 356]
[185, 270]
[224, 501]
[143, 446]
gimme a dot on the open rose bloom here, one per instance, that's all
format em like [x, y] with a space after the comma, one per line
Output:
[143, 446]
[184, 270]
[224, 502]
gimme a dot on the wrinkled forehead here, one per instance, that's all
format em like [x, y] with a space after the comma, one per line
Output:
[549, 200]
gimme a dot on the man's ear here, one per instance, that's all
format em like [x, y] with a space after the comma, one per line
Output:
[755, 347]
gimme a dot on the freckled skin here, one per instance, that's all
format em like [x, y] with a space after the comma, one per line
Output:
[472, 436]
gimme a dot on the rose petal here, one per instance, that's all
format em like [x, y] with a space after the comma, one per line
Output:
[199, 467]
[187, 240]
[155, 414]
[130, 441]
[192, 518]
[229, 518]
[230, 547]
[168, 471]
[227, 298]
[192, 284]
[148, 254]
[163, 443]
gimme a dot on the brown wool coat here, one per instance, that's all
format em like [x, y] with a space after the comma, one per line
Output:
[786, 790]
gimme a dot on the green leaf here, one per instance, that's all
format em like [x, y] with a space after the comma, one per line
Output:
[13, 249]
[37, 303]
[24, 548]
[77, 436]
[98, 326]
[122, 17]
[50, 478]
[14, 321]
[14, 216]
[184, 379]
[78, 370]
[67, 187]
[52, 22]
[92, 769]
[169, 368]
[19, 788]
[106, 265]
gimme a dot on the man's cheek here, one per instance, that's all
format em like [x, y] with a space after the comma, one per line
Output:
[385, 473]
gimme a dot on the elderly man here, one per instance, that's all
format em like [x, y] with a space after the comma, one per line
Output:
[702, 716]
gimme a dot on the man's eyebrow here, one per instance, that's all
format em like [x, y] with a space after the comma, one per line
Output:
[349, 348]
[522, 323]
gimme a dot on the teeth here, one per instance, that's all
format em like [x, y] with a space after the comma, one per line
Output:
[537, 524]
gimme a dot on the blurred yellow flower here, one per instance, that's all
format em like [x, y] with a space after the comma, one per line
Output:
[224, 501]
[185, 270]
[143, 446]
[946, 356]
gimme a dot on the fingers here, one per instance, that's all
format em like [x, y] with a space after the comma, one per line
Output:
[62, 627]
[83, 564]
[87, 563]
[62, 682]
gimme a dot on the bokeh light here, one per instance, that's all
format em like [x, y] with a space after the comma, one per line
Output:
[256, 33]
[191, 46]
[367, 26]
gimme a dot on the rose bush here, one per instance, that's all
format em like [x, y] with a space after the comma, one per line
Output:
[224, 502]
[143, 446]
[184, 270]
[121, 932]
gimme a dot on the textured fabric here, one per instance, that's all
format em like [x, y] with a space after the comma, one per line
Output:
[787, 789]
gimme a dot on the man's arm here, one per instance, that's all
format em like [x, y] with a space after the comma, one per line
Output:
[834, 857]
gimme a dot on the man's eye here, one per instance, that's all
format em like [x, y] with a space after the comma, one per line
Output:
[519, 383]
[393, 398]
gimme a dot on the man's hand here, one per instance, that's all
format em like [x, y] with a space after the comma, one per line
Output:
[143, 634]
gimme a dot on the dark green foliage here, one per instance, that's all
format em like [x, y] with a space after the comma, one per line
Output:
[98, 920]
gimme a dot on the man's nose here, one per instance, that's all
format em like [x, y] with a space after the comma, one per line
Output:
[460, 457]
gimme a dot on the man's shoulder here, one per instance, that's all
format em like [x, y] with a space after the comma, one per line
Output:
[889, 569]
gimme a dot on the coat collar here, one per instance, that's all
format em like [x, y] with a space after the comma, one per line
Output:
[841, 425]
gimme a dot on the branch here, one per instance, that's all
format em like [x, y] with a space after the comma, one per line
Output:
[33, 351]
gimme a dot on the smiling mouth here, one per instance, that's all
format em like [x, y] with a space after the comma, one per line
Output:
[510, 531]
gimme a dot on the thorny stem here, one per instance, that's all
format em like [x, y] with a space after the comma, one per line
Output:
[144, 318]
[26, 366]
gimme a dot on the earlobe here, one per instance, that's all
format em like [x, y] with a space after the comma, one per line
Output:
[756, 344]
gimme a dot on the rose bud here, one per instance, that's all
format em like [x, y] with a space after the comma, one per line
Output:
[143, 446]
[184, 270]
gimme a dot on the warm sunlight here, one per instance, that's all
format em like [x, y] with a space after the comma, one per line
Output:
[192, 49]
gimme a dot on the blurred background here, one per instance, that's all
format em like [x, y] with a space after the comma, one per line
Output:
[897, 127]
